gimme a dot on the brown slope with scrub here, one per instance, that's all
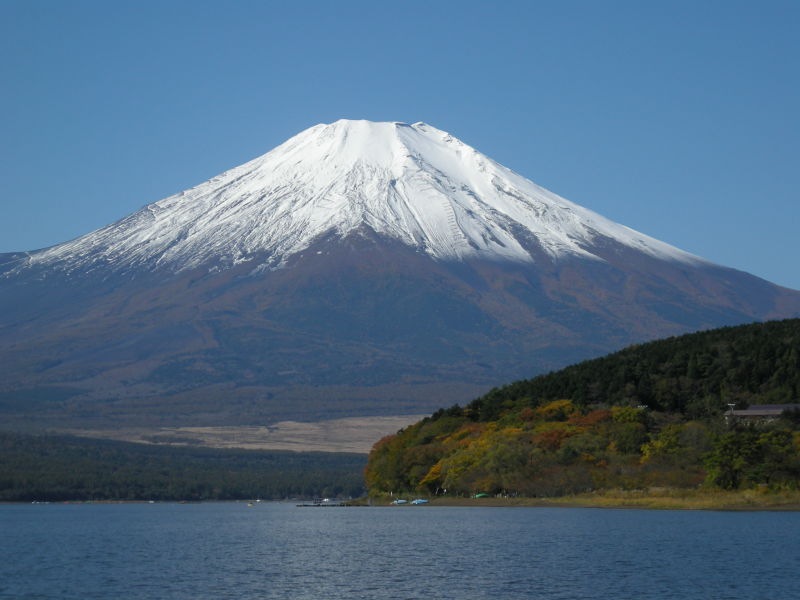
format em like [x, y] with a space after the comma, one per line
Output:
[354, 326]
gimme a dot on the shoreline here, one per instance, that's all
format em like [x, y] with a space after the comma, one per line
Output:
[662, 499]
[654, 499]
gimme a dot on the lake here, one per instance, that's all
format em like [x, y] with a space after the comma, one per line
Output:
[275, 550]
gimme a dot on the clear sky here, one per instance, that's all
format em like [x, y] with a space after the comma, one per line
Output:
[679, 119]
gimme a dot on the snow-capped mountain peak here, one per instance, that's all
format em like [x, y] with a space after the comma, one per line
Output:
[413, 183]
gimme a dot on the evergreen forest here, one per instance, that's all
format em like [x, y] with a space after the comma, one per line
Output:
[61, 468]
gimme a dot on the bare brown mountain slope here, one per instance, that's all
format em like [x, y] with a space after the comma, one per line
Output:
[367, 326]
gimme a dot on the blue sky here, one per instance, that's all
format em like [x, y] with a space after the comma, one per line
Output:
[679, 119]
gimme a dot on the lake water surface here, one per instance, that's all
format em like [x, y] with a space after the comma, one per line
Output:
[273, 550]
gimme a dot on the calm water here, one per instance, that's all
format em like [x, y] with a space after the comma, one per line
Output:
[196, 551]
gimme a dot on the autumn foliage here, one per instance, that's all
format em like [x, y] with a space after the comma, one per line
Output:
[653, 415]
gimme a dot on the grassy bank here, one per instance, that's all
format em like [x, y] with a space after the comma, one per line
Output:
[656, 498]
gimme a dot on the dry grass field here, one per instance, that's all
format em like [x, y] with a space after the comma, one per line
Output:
[355, 434]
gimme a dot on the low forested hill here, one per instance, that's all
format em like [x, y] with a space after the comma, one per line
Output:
[696, 374]
[652, 414]
[57, 468]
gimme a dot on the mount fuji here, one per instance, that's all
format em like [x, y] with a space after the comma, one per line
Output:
[359, 268]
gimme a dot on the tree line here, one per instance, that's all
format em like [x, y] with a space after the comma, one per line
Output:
[60, 468]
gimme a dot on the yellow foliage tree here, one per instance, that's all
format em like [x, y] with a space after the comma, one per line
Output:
[557, 410]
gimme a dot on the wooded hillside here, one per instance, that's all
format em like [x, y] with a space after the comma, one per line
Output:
[649, 415]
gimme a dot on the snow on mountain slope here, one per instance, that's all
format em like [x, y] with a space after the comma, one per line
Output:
[413, 183]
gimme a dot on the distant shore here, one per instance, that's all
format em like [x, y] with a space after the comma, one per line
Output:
[654, 499]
